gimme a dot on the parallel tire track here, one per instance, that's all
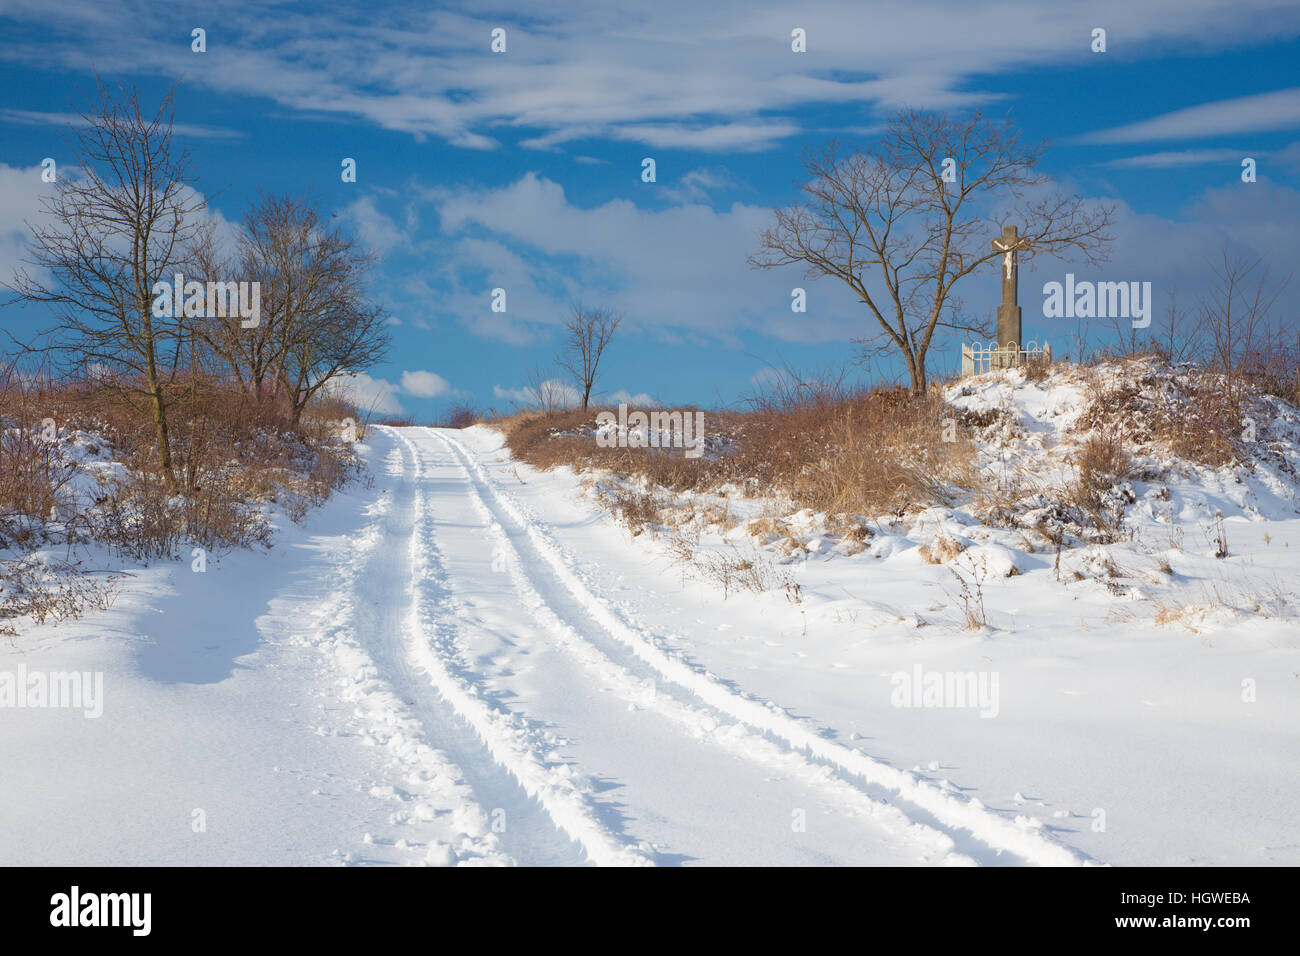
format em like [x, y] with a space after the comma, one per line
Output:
[431, 633]
[1020, 836]
[923, 841]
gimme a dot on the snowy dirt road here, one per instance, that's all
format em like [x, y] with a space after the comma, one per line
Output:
[456, 661]
[581, 738]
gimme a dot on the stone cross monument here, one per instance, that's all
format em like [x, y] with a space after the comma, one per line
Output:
[1009, 310]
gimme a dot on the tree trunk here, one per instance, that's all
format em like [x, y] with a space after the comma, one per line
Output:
[158, 399]
[915, 372]
[160, 431]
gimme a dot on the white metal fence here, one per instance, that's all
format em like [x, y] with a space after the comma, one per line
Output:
[980, 357]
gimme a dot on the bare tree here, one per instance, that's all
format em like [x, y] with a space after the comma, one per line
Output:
[589, 331]
[888, 224]
[330, 326]
[1179, 339]
[548, 394]
[125, 221]
[1236, 314]
[316, 319]
[272, 249]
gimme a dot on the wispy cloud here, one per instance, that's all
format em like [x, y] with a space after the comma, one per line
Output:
[695, 185]
[1261, 112]
[571, 72]
[1176, 158]
[36, 118]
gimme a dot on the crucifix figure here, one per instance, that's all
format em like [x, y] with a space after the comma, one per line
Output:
[1009, 310]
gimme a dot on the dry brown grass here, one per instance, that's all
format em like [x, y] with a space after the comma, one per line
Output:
[861, 456]
[231, 452]
[869, 453]
[1102, 463]
[35, 587]
[1196, 417]
[1103, 454]
[941, 550]
[886, 454]
[34, 477]
[547, 440]
[637, 510]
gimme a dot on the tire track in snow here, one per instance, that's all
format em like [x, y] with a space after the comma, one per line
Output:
[917, 840]
[432, 786]
[531, 835]
[513, 743]
[1020, 836]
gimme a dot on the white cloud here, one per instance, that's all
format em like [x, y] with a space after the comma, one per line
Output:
[695, 185]
[559, 393]
[684, 276]
[22, 202]
[35, 118]
[375, 230]
[423, 384]
[563, 394]
[21, 191]
[641, 399]
[1175, 158]
[369, 394]
[1260, 112]
[717, 76]
[674, 271]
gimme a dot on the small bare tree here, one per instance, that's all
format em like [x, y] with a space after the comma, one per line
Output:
[124, 221]
[329, 325]
[316, 319]
[1236, 315]
[902, 223]
[589, 331]
[1179, 338]
[546, 393]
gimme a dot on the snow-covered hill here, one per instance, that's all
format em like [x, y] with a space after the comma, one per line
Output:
[466, 660]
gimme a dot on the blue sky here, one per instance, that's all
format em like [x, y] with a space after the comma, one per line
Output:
[521, 170]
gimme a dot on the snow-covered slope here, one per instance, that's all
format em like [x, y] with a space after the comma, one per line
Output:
[470, 662]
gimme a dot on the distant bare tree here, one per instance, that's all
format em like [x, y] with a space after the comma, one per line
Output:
[125, 221]
[1180, 339]
[887, 224]
[589, 331]
[548, 394]
[330, 326]
[1236, 315]
[317, 321]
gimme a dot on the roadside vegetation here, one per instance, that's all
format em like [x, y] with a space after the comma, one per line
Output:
[135, 429]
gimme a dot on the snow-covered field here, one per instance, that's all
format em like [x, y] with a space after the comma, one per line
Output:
[469, 662]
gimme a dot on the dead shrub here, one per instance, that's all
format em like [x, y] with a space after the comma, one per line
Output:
[232, 453]
[45, 589]
[1192, 413]
[638, 510]
[1037, 369]
[1103, 454]
[735, 570]
[1102, 464]
[886, 453]
[941, 550]
[459, 416]
[35, 479]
